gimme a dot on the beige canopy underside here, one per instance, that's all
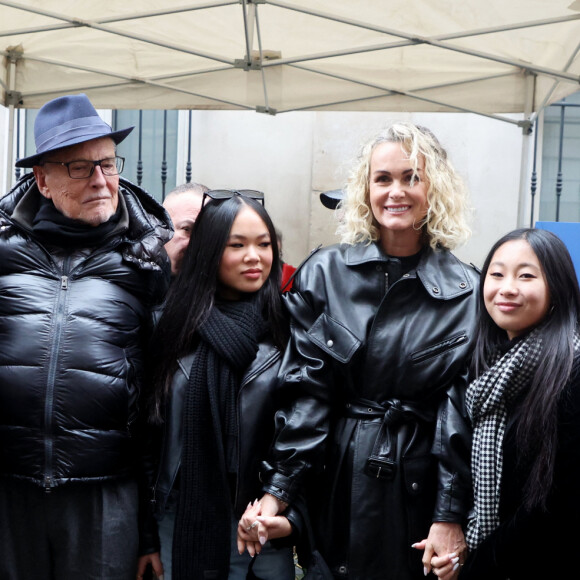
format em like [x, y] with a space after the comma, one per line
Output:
[490, 57]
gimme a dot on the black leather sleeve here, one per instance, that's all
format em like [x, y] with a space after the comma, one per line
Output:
[302, 423]
[452, 447]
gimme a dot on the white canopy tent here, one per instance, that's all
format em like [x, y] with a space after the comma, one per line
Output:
[400, 55]
[273, 56]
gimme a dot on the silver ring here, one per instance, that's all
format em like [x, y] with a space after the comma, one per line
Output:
[251, 526]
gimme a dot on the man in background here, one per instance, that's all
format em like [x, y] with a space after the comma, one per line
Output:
[182, 204]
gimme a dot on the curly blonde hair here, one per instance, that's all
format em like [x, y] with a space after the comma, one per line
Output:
[445, 224]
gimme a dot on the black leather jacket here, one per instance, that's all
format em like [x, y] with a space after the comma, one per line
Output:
[258, 400]
[370, 365]
[72, 326]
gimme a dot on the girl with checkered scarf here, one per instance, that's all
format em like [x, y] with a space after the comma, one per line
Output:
[524, 406]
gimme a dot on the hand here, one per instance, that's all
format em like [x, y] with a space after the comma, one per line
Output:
[254, 531]
[444, 550]
[248, 530]
[271, 505]
[155, 561]
[276, 526]
[447, 566]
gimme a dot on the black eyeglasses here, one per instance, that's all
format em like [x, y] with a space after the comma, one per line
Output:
[221, 194]
[83, 169]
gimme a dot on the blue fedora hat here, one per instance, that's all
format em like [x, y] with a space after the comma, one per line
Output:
[66, 121]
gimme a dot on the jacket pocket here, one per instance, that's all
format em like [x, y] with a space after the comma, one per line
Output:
[434, 350]
[334, 338]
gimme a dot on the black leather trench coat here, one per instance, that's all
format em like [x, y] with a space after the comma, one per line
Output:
[372, 368]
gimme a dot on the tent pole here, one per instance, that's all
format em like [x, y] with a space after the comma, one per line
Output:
[12, 99]
[249, 13]
[523, 205]
[10, 156]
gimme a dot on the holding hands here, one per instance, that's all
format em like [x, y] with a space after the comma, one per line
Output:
[260, 523]
[444, 550]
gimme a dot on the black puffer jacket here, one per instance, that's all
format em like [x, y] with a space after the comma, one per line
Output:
[369, 365]
[72, 326]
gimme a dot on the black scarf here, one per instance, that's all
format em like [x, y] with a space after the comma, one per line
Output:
[55, 228]
[228, 342]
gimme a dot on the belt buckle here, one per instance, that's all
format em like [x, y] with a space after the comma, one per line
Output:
[380, 467]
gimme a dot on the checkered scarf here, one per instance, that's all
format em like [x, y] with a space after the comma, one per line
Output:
[488, 399]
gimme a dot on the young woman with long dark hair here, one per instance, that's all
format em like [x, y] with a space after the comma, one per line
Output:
[524, 405]
[217, 350]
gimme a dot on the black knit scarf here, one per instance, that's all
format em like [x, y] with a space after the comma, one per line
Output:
[51, 225]
[228, 342]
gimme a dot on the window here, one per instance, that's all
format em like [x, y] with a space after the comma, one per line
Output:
[569, 205]
[156, 126]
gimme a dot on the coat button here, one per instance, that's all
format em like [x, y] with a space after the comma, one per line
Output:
[330, 343]
[406, 275]
[342, 569]
[463, 285]
[415, 486]
[378, 268]
[435, 290]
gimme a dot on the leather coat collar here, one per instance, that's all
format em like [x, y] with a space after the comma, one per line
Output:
[443, 276]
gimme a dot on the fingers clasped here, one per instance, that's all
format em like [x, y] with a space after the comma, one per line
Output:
[446, 566]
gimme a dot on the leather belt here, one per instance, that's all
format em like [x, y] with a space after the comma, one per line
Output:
[382, 462]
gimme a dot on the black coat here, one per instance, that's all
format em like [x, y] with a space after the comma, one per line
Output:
[362, 351]
[535, 544]
[258, 400]
[72, 326]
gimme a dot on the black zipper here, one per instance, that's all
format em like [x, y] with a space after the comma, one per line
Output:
[56, 337]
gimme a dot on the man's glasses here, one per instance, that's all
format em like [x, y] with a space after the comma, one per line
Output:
[221, 194]
[83, 169]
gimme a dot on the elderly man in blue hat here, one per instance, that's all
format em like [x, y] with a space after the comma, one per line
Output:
[81, 266]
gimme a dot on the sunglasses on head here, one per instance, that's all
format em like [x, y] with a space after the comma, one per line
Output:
[221, 194]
